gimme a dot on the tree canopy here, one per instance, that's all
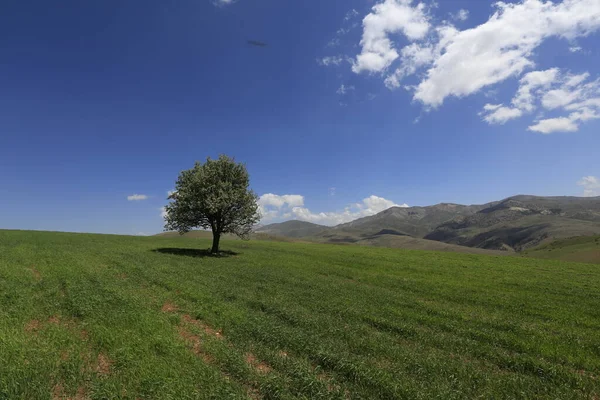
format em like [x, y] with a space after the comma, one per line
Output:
[214, 195]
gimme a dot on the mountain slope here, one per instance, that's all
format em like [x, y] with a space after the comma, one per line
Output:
[412, 221]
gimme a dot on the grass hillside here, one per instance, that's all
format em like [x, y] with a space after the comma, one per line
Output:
[102, 316]
[390, 238]
[197, 234]
[579, 249]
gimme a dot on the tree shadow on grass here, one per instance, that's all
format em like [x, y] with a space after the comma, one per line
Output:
[194, 252]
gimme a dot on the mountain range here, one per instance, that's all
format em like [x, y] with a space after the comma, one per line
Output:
[510, 225]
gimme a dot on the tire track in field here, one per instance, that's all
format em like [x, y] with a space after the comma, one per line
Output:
[185, 331]
[94, 364]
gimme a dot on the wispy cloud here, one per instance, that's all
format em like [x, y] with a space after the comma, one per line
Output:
[460, 15]
[330, 60]
[343, 89]
[223, 2]
[137, 197]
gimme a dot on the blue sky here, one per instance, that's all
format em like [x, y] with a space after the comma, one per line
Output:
[389, 102]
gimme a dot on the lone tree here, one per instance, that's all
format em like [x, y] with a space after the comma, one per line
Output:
[213, 195]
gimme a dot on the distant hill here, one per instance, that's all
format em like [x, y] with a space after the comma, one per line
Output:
[521, 222]
[513, 224]
[292, 229]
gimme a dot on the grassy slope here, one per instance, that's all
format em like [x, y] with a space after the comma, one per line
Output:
[398, 242]
[109, 316]
[579, 249]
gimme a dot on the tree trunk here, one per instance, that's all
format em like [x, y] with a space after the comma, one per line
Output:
[215, 245]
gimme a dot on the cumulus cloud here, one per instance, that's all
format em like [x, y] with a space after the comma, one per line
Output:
[277, 201]
[462, 62]
[551, 125]
[499, 114]
[137, 197]
[530, 84]
[386, 18]
[503, 46]
[591, 186]
[272, 206]
[523, 101]
[369, 206]
[275, 207]
[413, 57]
[163, 212]
[555, 91]
[581, 99]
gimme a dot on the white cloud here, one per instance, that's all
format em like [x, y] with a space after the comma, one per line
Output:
[551, 125]
[558, 98]
[524, 99]
[163, 212]
[591, 186]
[332, 191]
[575, 49]
[555, 92]
[271, 206]
[584, 114]
[275, 208]
[223, 2]
[270, 199]
[575, 80]
[502, 47]
[330, 60]
[575, 95]
[389, 17]
[137, 197]
[413, 57]
[344, 89]
[498, 114]
[531, 81]
[369, 206]
[464, 62]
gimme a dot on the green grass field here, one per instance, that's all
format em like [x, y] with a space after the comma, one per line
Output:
[104, 317]
[579, 249]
